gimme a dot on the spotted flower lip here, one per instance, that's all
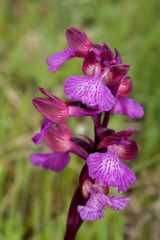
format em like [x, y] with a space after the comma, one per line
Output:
[108, 170]
[95, 206]
[90, 90]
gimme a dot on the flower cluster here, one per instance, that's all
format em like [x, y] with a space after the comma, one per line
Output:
[101, 92]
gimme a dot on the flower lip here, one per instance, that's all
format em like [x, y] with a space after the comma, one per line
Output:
[108, 170]
[78, 41]
[90, 90]
[96, 203]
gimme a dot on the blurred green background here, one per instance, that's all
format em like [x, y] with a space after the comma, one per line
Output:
[34, 202]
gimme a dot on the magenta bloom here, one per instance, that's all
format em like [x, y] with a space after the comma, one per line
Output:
[93, 90]
[79, 47]
[101, 92]
[59, 140]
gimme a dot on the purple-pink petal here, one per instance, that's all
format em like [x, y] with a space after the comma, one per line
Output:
[117, 202]
[108, 170]
[37, 138]
[78, 41]
[90, 91]
[50, 161]
[94, 208]
[56, 60]
[52, 107]
[59, 138]
[129, 107]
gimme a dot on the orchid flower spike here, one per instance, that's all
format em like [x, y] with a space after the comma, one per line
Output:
[100, 93]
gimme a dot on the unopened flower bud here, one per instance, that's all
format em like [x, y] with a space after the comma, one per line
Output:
[90, 186]
[125, 86]
[103, 189]
[86, 188]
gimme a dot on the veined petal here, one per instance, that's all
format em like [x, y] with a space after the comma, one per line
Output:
[56, 60]
[108, 170]
[59, 138]
[50, 161]
[118, 203]
[44, 129]
[94, 208]
[78, 41]
[52, 107]
[129, 107]
[90, 91]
